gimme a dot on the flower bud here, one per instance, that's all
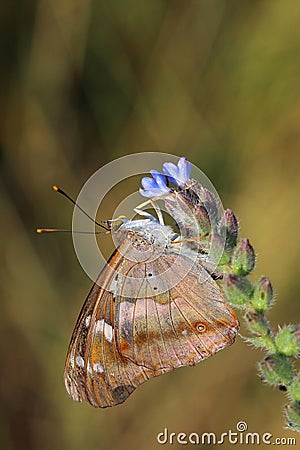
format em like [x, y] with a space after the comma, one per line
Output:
[294, 389]
[264, 342]
[292, 415]
[192, 220]
[297, 332]
[208, 197]
[217, 251]
[243, 259]
[286, 341]
[276, 370]
[210, 203]
[229, 228]
[237, 289]
[180, 209]
[256, 322]
[202, 218]
[263, 295]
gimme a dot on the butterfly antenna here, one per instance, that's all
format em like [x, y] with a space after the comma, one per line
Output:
[51, 230]
[60, 191]
[59, 230]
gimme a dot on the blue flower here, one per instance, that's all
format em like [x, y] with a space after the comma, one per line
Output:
[179, 174]
[156, 186]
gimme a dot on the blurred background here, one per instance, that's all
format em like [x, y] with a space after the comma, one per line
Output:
[83, 82]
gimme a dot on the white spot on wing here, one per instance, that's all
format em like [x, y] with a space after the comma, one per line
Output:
[101, 325]
[98, 368]
[79, 361]
[184, 332]
[72, 361]
[87, 321]
[108, 332]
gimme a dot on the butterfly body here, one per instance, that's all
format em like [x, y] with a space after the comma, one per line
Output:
[153, 308]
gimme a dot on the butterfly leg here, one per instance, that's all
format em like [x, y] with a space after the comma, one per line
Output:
[154, 205]
[193, 239]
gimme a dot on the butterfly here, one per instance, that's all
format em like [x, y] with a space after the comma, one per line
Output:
[154, 308]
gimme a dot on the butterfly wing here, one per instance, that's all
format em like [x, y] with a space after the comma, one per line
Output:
[95, 370]
[179, 327]
[121, 341]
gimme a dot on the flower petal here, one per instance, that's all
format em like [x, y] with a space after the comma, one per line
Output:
[155, 172]
[179, 174]
[160, 180]
[148, 183]
[170, 170]
[156, 186]
[185, 168]
[151, 193]
[145, 193]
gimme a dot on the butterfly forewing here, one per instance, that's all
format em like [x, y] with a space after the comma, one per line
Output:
[95, 369]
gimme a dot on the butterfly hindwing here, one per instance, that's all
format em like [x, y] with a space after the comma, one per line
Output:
[181, 326]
